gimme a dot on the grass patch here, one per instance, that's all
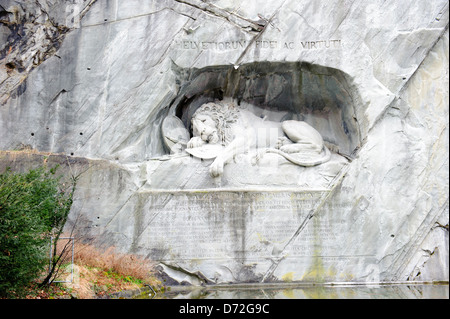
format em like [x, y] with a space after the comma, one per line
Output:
[97, 274]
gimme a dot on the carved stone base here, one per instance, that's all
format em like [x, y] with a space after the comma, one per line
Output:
[225, 236]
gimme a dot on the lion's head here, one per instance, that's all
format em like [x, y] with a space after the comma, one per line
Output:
[212, 122]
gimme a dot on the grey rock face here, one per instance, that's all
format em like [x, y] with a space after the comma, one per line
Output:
[31, 32]
[101, 81]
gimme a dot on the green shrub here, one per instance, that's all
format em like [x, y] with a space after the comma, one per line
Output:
[33, 207]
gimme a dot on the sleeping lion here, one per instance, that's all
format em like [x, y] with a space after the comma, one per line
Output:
[239, 131]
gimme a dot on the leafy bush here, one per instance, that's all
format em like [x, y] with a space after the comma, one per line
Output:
[33, 207]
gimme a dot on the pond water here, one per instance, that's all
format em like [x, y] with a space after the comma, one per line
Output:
[400, 291]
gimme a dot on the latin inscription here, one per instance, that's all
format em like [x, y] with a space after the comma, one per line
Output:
[302, 45]
[259, 44]
[210, 45]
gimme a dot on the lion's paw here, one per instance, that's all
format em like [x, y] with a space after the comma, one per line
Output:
[195, 142]
[216, 168]
[282, 140]
[255, 159]
[291, 148]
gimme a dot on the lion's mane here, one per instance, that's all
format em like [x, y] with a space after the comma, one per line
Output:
[224, 114]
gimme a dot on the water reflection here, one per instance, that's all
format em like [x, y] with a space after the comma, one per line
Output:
[402, 291]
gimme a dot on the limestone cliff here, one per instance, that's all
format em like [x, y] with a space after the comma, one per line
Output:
[94, 80]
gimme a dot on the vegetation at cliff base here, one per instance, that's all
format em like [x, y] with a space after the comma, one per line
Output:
[33, 207]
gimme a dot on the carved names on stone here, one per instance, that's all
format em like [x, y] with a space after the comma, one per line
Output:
[237, 225]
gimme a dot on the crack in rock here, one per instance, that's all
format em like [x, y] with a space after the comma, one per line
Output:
[241, 22]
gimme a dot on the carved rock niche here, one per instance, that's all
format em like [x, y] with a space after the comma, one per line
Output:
[323, 97]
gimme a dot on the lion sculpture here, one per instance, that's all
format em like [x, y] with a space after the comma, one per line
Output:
[234, 131]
